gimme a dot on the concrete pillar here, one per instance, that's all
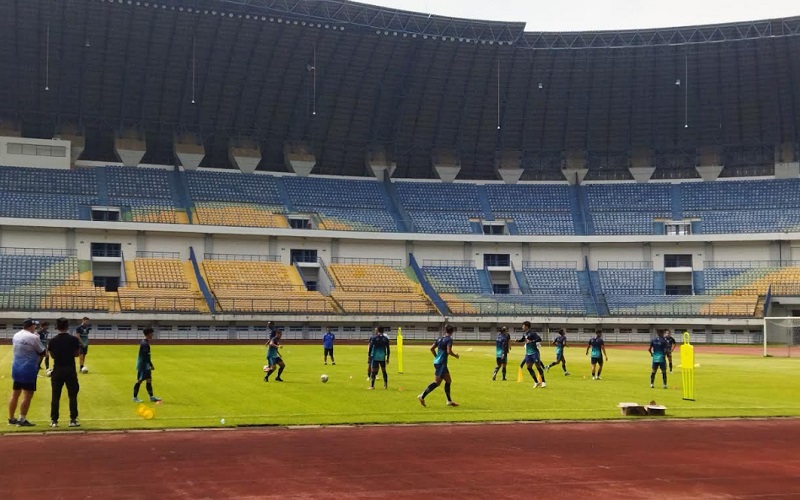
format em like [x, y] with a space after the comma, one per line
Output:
[574, 167]
[447, 164]
[72, 133]
[378, 162]
[189, 150]
[299, 158]
[130, 149]
[709, 163]
[245, 154]
[509, 166]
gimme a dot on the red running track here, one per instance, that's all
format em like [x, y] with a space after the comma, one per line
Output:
[649, 459]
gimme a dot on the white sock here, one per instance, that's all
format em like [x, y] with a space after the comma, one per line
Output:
[22, 417]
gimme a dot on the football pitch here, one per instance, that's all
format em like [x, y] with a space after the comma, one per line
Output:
[201, 385]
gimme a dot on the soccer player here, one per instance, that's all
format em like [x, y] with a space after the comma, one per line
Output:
[273, 356]
[659, 347]
[598, 347]
[28, 352]
[144, 368]
[369, 355]
[442, 349]
[671, 341]
[379, 354]
[271, 330]
[44, 333]
[327, 345]
[532, 355]
[560, 342]
[501, 351]
[64, 348]
[83, 333]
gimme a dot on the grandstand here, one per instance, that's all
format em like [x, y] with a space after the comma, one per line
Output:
[449, 140]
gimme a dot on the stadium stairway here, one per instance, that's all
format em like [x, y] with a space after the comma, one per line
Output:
[283, 193]
[486, 281]
[677, 201]
[589, 299]
[698, 282]
[486, 206]
[395, 208]
[101, 175]
[522, 281]
[432, 294]
[202, 281]
[576, 208]
[659, 283]
[512, 227]
[599, 297]
[180, 194]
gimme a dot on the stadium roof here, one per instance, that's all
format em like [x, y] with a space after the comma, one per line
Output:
[345, 77]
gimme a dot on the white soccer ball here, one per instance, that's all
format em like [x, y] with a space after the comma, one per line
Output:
[323, 378]
[49, 372]
[84, 370]
[266, 367]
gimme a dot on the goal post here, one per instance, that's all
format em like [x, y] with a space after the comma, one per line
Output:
[781, 335]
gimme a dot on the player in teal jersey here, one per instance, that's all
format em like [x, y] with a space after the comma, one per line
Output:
[501, 351]
[273, 356]
[659, 347]
[671, 341]
[442, 349]
[379, 351]
[560, 342]
[82, 332]
[144, 368]
[598, 347]
[533, 356]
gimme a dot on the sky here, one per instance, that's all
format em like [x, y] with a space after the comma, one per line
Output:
[587, 15]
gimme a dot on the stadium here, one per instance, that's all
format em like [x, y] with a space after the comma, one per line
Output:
[208, 166]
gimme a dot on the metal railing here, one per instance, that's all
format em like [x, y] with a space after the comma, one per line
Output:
[183, 285]
[448, 263]
[367, 261]
[242, 257]
[39, 252]
[162, 304]
[624, 264]
[496, 308]
[255, 286]
[553, 264]
[143, 254]
[50, 302]
[748, 264]
[319, 305]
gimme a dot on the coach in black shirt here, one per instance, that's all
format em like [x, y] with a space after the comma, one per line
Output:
[64, 348]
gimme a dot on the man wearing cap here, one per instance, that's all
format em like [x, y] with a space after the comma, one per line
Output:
[28, 352]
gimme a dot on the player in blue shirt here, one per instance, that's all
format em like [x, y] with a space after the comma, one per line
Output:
[671, 341]
[532, 355]
[327, 345]
[273, 356]
[659, 347]
[144, 368]
[598, 347]
[560, 342]
[82, 332]
[379, 354]
[501, 351]
[442, 349]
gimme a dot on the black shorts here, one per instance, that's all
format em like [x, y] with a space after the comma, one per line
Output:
[502, 360]
[328, 351]
[378, 364]
[24, 386]
[84, 349]
[597, 360]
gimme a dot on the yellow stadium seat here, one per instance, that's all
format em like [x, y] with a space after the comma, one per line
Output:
[375, 288]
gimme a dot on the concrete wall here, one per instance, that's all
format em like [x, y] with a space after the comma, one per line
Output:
[18, 237]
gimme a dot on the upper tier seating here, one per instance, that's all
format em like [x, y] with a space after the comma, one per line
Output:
[440, 208]
[549, 280]
[48, 181]
[754, 206]
[528, 197]
[233, 187]
[627, 208]
[137, 182]
[375, 288]
[544, 223]
[240, 214]
[258, 286]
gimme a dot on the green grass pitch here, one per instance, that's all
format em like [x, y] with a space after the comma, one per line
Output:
[201, 385]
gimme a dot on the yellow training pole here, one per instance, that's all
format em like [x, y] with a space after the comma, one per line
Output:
[687, 367]
[399, 350]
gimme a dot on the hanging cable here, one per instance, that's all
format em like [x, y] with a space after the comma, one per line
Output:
[498, 94]
[47, 58]
[686, 92]
[194, 63]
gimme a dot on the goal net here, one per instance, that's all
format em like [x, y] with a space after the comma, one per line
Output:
[781, 336]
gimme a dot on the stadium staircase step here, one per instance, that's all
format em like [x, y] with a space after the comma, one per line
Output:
[188, 270]
[512, 227]
[180, 194]
[101, 174]
[576, 209]
[201, 280]
[485, 281]
[597, 294]
[698, 282]
[395, 207]
[430, 292]
[659, 283]
[283, 193]
[486, 206]
[677, 202]
[113, 302]
[760, 312]
[522, 281]
[476, 227]
[584, 284]
[130, 273]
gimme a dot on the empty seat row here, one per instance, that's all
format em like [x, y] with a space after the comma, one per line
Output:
[528, 197]
[233, 187]
[327, 192]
